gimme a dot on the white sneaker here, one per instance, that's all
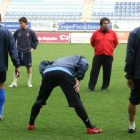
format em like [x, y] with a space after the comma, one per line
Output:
[30, 85]
[13, 85]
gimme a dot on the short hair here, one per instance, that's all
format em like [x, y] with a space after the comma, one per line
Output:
[23, 19]
[103, 19]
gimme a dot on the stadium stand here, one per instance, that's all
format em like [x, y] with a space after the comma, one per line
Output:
[45, 9]
[71, 10]
[116, 10]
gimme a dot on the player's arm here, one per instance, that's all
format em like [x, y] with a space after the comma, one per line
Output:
[82, 67]
[130, 55]
[77, 86]
[35, 41]
[92, 39]
[15, 35]
[115, 40]
[13, 53]
[130, 83]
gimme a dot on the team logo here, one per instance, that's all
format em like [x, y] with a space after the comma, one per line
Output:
[64, 37]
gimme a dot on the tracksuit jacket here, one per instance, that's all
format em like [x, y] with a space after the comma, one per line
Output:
[77, 65]
[132, 66]
[26, 39]
[7, 45]
[104, 43]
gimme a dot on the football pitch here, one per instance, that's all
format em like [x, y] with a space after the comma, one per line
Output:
[56, 121]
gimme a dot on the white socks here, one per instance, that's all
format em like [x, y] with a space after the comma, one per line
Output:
[132, 125]
[14, 79]
[14, 83]
[29, 78]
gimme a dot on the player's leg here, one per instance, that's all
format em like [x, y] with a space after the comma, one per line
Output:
[67, 84]
[131, 113]
[28, 63]
[2, 98]
[107, 67]
[34, 113]
[2, 92]
[46, 88]
[14, 82]
[134, 100]
[29, 75]
[96, 64]
[81, 112]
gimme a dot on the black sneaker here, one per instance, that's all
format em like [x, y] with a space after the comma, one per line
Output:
[131, 130]
[90, 89]
[104, 89]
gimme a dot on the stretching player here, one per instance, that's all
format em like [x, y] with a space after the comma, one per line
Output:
[63, 72]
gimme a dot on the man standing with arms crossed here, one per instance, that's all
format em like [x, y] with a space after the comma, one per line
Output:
[7, 45]
[26, 42]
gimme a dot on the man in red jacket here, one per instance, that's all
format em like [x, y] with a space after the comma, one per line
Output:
[104, 41]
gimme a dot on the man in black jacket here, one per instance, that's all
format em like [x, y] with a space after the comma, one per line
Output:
[62, 72]
[132, 69]
[7, 45]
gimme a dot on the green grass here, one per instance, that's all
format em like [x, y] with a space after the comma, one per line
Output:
[56, 121]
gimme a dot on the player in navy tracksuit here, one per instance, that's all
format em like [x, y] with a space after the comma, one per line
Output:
[26, 42]
[63, 72]
[132, 69]
[7, 45]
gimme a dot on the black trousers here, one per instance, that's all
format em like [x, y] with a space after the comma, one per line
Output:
[65, 81]
[106, 63]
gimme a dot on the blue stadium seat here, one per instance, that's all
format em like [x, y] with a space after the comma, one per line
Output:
[116, 3]
[106, 14]
[94, 14]
[124, 3]
[124, 14]
[111, 14]
[102, 14]
[116, 6]
[137, 11]
[128, 14]
[116, 11]
[128, 6]
[120, 7]
[7, 14]
[137, 3]
[120, 3]
[137, 6]
[79, 13]
[124, 6]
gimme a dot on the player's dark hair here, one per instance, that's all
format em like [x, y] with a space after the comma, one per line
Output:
[23, 19]
[103, 19]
